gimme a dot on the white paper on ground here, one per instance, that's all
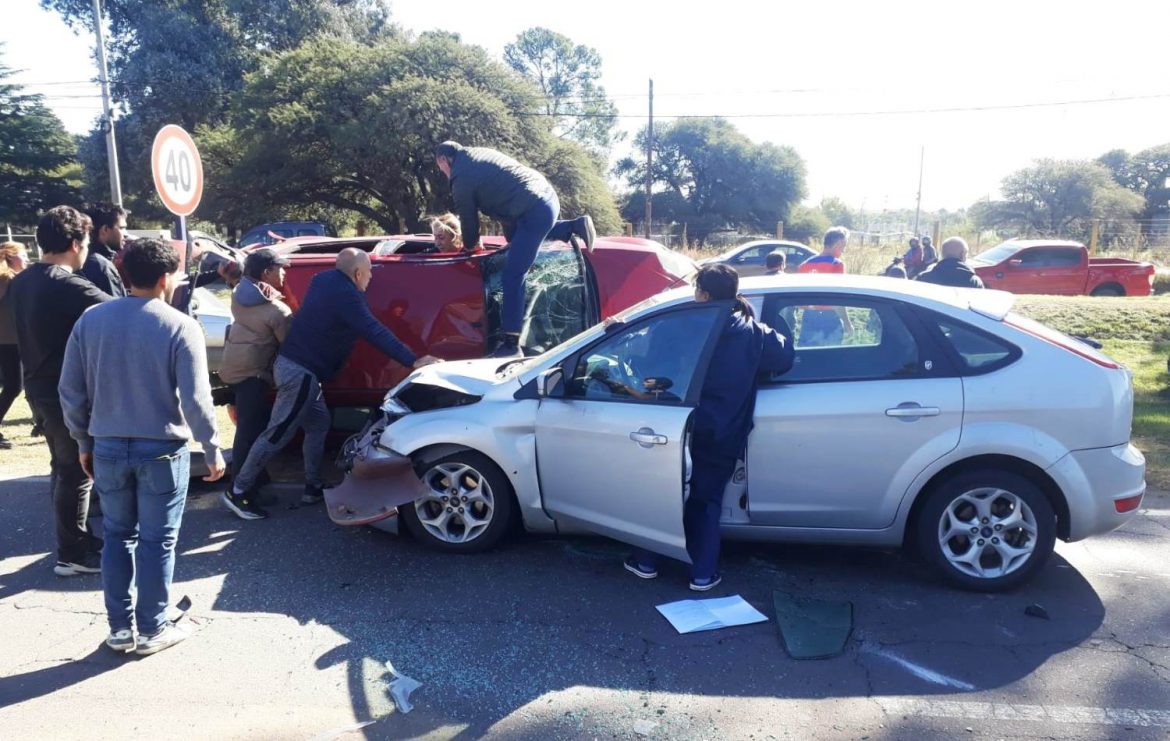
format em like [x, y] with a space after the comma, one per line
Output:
[692, 615]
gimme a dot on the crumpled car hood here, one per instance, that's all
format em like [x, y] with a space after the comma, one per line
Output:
[474, 377]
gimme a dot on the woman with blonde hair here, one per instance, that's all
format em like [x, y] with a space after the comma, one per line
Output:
[448, 235]
[13, 259]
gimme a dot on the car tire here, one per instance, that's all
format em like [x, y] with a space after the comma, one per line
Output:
[987, 530]
[484, 513]
[1109, 289]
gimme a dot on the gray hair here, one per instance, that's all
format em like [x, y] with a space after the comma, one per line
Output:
[835, 235]
[954, 247]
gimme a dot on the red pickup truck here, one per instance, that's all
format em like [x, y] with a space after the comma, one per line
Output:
[1060, 268]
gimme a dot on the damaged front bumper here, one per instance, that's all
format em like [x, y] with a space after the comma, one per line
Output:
[377, 480]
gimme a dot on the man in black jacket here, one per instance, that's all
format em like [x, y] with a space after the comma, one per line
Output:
[951, 270]
[105, 242]
[523, 201]
[47, 299]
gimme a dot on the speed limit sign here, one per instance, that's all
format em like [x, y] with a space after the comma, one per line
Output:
[178, 172]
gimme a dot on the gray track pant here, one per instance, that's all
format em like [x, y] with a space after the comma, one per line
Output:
[299, 405]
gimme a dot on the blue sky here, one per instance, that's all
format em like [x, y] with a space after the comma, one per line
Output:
[822, 77]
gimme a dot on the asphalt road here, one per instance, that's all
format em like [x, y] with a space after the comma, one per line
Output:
[295, 620]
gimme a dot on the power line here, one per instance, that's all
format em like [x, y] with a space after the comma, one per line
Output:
[890, 112]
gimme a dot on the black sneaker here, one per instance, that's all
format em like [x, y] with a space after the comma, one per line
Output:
[312, 495]
[243, 506]
[91, 563]
[509, 348]
[702, 585]
[5, 443]
[639, 569]
[36, 431]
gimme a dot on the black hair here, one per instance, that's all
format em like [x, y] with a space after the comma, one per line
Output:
[448, 149]
[775, 260]
[147, 260]
[104, 214]
[60, 227]
[721, 283]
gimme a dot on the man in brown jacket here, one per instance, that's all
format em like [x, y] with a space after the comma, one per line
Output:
[260, 322]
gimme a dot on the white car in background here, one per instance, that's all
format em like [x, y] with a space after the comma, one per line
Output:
[939, 420]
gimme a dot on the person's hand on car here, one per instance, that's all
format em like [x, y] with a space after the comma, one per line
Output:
[427, 360]
[215, 468]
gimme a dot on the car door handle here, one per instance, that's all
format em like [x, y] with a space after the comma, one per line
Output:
[913, 410]
[647, 437]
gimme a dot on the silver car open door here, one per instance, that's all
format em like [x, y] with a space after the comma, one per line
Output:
[611, 437]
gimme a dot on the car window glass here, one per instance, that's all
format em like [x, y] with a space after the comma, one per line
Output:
[976, 349]
[839, 340]
[557, 304]
[653, 361]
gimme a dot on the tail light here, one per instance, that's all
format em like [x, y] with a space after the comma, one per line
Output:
[1129, 504]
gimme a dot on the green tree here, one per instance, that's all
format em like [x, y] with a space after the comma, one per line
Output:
[345, 125]
[181, 61]
[837, 212]
[567, 75]
[1146, 173]
[719, 178]
[1058, 198]
[36, 156]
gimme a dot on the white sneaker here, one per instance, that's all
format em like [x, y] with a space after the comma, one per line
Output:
[162, 640]
[121, 641]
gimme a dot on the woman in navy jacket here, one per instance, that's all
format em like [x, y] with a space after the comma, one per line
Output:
[722, 421]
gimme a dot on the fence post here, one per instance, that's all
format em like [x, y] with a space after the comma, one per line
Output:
[937, 235]
[685, 244]
[779, 230]
[629, 229]
[1094, 235]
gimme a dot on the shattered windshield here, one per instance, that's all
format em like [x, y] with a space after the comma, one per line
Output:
[557, 300]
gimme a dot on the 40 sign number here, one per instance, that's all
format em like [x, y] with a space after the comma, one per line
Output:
[177, 169]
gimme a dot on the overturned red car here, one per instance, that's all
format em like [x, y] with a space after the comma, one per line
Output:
[448, 304]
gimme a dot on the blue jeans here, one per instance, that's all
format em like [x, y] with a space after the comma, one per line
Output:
[524, 238]
[144, 488]
[709, 477]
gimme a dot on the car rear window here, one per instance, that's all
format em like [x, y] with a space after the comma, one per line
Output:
[977, 351]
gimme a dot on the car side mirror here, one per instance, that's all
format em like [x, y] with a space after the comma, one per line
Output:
[550, 384]
[1015, 262]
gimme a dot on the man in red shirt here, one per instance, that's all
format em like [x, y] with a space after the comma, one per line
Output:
[825, 325]
[829, 261]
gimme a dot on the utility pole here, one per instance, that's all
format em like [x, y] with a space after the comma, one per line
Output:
[107, 108]
[650, 163]
[918, 207]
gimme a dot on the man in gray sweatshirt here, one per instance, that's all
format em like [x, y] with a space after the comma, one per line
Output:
[134, 387]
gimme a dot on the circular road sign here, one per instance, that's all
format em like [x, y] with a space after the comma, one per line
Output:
[177, 169]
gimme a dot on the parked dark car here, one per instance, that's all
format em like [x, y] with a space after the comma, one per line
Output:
[277, 231]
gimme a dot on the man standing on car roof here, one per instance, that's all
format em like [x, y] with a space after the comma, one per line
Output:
[524, 202]
[332, 317]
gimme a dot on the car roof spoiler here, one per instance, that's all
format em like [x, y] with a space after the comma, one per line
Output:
[991, 304]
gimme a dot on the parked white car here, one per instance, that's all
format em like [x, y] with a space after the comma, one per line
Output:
[939, 420]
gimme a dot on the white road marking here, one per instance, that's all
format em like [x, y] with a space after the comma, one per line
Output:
[920, 671]
[1036, 713]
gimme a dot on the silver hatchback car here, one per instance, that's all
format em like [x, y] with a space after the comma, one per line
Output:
[916, 415]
